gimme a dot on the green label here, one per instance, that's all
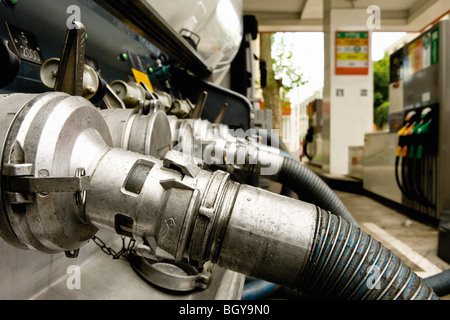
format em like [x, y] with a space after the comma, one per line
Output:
[420, 152]
[412, 151]
[354, 35]
[435, 46]
[426, 51]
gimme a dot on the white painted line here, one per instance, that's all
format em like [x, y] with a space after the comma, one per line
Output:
[428, 268]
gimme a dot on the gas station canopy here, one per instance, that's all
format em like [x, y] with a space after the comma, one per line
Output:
[307, 15]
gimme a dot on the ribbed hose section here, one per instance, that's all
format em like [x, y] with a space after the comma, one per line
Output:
[440, 283]
[311, 188]
[348, 264]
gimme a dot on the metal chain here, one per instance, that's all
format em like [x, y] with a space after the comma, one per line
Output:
[126, 250]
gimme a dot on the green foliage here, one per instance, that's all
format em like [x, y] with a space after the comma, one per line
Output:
[286, 73]
[378, 99]
[381, 80]
[381, 115]
[381, 91]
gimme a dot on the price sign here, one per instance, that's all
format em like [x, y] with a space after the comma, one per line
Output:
[352, 53]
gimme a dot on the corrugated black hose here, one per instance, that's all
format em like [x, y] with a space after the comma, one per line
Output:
[348, 264]
[345, 262]
[440, 283]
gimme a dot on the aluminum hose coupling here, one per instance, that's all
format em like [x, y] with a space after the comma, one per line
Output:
[207, 217]
[194, 229]
[43, 186]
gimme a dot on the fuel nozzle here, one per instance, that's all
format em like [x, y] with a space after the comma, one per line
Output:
[426, 117]
[408, 122]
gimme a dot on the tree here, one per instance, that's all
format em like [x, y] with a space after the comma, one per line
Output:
[271, 92]
[285, 69]
[282, 74]
[381, 91]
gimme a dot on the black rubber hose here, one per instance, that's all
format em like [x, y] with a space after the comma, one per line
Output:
[406, 178]
[419, 181]
[440, 283]
[311, 188]
[285, 191]
[397, 177]
[346, 263]
[274, 139]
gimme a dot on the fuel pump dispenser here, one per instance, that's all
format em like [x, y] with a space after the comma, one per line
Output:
[409, 163]
[416, 156]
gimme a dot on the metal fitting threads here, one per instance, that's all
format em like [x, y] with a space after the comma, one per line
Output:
[346, 263]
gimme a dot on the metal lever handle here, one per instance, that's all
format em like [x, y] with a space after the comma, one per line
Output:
[71, 66]
[199, 106]
[221, 114]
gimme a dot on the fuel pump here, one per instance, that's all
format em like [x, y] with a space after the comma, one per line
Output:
[410, 121]
[416, 149]
[421, 150]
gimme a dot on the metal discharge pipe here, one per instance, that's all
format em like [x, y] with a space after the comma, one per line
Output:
[174, 209]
